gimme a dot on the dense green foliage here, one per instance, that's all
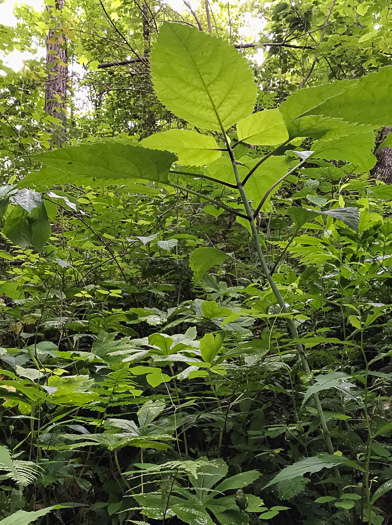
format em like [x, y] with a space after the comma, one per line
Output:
[195, 321]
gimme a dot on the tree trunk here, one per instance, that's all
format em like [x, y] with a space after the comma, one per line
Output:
[383, 168]
[146, 29]
[56, 84]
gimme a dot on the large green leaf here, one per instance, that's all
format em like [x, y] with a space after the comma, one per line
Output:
[355, 148]
[238, 481]
[40, 228]
[350, 216]
[201, 78]
[26, 229]
[337, 380]
[262, 179]
[317, 127]
[210, 346]
[149, 411]
[366, 101]
[207, 476]
[110, 161]
[193, 514]
[307, 466]
[266, 128]
[202, 259]
[22, 517]
[191, 148]
[306, 99]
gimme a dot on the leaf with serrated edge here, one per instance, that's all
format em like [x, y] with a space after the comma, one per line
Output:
[306, 99]
[367, 101]
[355, 148]
[201, 78]
[110, 160]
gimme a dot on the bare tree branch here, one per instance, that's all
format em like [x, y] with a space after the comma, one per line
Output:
[121, 62]
[194, 15]
[271, 44]
[142, 59]
[208, 16]
[306, 78]
[237, 46]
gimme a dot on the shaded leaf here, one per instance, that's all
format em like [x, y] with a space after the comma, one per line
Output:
[108, 161]
[202, 259]
[307, 466]
[337, 380]
[384, 489]
[238, 481]
[22, 517]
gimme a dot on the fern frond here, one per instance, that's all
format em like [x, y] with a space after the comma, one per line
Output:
[22, 472]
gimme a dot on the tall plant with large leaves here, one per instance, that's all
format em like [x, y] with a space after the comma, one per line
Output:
[207, 83]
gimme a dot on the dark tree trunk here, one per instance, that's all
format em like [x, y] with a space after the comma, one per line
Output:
[383, 168]
[56, 84]
[146, 28]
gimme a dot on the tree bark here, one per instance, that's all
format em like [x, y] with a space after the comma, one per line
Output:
[56, 84]
[146, 29]
[383, 168]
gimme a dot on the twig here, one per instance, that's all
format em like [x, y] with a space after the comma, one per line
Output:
[121, 62]
[208, 16]
[263, 160]
[213, 201]
[97, 235]
[237, 46]
[119, 32]
[274, 186]
[271, 44]
[194, 15]
[304, 80]
[228, 184]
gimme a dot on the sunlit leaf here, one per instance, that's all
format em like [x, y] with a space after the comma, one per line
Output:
[201, 78]
[264, 128]
[191, 148]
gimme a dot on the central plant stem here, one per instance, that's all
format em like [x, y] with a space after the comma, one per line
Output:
[278, 296]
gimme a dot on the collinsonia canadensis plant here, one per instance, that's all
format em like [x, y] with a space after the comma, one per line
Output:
[206, 83]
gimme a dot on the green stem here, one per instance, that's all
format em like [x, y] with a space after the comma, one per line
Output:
[213, 201]
[366, 481]
[120, 471]
[279, 298]
[202, 176]
[261, 161]
[275, 185]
